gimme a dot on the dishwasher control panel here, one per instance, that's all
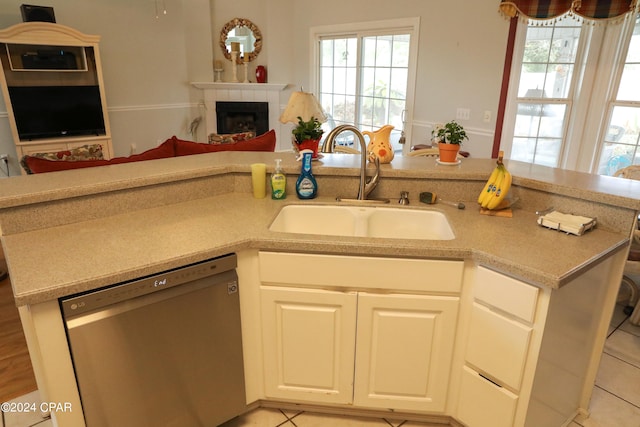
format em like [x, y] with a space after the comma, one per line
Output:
[92, 300]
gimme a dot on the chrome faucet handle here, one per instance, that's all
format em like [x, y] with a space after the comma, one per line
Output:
[404, 198]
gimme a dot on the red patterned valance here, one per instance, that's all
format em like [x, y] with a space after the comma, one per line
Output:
[587, 9]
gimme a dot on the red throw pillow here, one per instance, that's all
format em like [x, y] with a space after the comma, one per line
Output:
[264, 142]
[38, 165]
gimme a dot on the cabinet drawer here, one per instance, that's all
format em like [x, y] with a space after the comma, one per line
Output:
[497, 346]
[505, 293]
[29, 149]
[484, 404]
[361, 272]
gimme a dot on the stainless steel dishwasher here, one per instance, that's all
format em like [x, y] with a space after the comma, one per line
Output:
[164, 350]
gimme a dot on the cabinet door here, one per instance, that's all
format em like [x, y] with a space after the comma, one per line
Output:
[308, 340]
[404, 350]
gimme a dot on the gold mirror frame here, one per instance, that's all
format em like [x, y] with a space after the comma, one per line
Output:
[241, 22]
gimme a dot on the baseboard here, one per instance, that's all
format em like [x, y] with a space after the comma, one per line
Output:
[429, 420]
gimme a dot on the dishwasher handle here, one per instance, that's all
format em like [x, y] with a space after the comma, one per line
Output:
[94, 300]
[228, 279]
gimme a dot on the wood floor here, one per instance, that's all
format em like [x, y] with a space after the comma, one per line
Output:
[16, 373]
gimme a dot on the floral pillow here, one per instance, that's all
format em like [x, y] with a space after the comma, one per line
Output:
[230, 138]
[84, 152]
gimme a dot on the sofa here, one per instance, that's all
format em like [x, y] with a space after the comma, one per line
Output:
[91, 155]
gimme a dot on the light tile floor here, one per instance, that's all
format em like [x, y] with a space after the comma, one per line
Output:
[615, 402]
[616, 396]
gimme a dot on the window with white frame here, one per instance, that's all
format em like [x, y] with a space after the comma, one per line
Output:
[620, 146]
[366, 75]
[571, 105]
[547, 83]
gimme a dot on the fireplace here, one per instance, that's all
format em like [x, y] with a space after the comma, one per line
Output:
[235, 117]
[269, 93]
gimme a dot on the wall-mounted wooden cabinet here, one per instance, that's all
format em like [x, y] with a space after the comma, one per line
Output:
[53, 88]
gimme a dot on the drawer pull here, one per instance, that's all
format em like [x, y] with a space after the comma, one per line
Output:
[490, 380]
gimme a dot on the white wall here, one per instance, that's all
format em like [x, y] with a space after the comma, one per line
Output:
[148, 62]
[461, 55]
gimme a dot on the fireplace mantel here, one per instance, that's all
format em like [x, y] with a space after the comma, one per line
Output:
[246, 92]
[239, 86]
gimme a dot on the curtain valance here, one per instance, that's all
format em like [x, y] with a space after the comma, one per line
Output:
[549, 9]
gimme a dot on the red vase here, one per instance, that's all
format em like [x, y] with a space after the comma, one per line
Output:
[261, 74]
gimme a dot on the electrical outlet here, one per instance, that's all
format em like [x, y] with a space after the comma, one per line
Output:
[487, 116]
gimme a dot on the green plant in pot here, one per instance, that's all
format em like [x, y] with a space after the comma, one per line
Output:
[449, 138]
[307, 134]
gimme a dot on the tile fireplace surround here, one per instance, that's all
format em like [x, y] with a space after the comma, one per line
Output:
[247, 92]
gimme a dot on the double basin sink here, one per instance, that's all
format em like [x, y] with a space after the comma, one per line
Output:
[363, 221]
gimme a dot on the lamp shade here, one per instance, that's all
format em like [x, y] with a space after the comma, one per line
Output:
[305, 105]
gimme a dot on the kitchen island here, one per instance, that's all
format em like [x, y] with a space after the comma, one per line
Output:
[71, 232]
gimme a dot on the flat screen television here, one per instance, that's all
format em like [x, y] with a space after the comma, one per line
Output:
[57, 111]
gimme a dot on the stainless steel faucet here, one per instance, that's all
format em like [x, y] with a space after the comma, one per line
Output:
[365, 186]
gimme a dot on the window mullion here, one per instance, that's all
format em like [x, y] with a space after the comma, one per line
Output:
[359, 70]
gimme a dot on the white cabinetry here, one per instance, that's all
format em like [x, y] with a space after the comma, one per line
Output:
[500, 330]
[412, 336]
[322, 315]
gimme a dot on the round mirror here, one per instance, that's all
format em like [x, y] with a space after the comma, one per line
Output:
[246, 34]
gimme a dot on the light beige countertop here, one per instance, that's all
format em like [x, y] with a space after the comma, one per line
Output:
[78, 230]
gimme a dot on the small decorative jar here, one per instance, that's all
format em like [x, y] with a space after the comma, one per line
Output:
[261, 74]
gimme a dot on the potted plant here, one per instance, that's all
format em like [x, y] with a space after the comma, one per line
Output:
[307, 134]
[449, 138]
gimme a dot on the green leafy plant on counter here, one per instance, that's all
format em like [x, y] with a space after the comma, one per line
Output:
[450, 133]
[306, 130]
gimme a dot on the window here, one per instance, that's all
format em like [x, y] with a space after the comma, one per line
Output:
[569, 105]
[366, 75]
[621, 144]
[544, 92]
[545, 84]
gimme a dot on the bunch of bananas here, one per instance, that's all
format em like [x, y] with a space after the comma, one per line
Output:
[496, 188]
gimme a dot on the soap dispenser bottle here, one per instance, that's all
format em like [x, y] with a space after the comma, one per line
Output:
[306, 186]
[278, 182]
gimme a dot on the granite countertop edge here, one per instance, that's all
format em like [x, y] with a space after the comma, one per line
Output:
[33, 189]
[205, 228]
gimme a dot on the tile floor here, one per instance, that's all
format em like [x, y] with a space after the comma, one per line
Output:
[615, 402]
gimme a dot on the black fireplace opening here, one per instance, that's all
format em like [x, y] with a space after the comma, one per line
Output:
[236, 117]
